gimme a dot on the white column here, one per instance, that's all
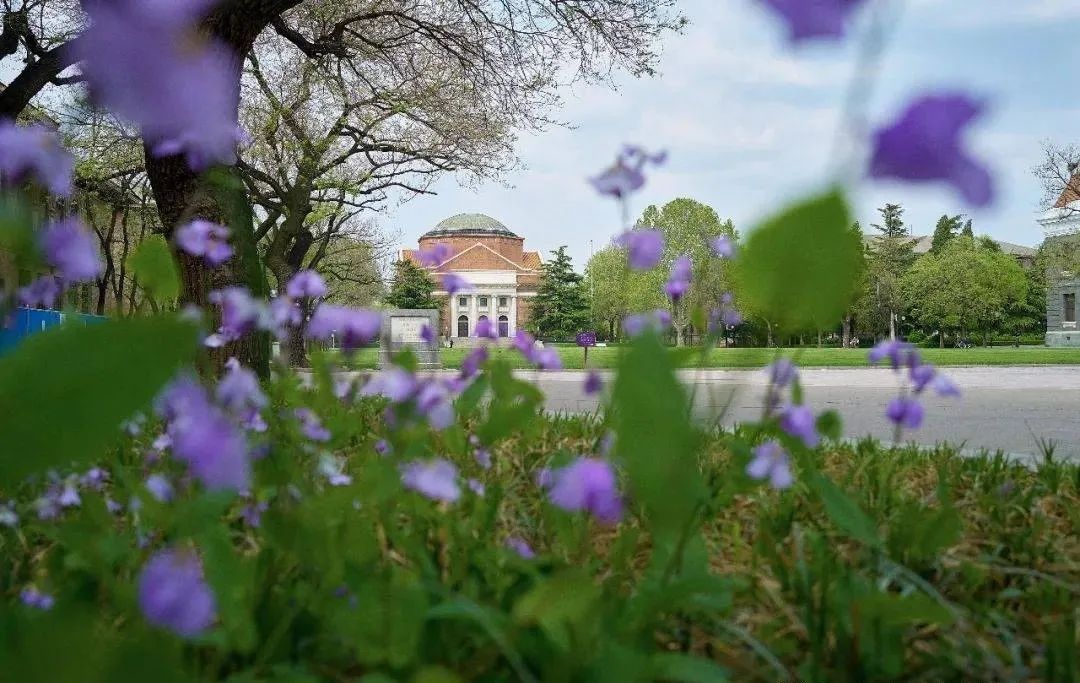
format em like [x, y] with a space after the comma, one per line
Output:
[513, 314]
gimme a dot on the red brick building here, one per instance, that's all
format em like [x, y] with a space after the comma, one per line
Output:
[493, 260]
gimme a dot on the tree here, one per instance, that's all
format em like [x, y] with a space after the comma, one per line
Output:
[411, 287]
[964, 289]
[846, 322]
[688, 227]
[1059, 175]
[606, 280]
[967, 230]
[947, 228]
[560, 309]
[892, 221]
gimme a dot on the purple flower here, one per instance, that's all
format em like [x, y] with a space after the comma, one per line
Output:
[547, 359]
[161, 442]
[924, 145]
[34, 151]
[240, 312]
[679, 281]
[112, 506]
[476, 487]
[68, 497]
[454, 283]
[357, 326]
[204, 437]
[625, 176]
[921, 375]
[472, 362]
[798, 421]
[808, 19]
[724, 317]
[160, 488]
[587, 484]
[333, 469]
[905, 411]
[899, 353]
[239, 388]
[593, 382]
[306, 284]
[382, 447]
[433, 256]
[643, 247]
[771, 462]
[435, 479]
[433, 402]
[68, 246]
[636, 324]
[482, 456]
[427, 334]
[42, 292]
[519, 546]
[252, 513]
[148, 62]
[485, 328]
[174, 595]
[723, 246]
[524, 343]
[944, 386]
[284, 313]
[310, 425]
[206, 239]
[32, 597]
[782, 372]
[394, 383]
[94, 478]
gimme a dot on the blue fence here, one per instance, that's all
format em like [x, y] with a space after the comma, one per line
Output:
[27, 321]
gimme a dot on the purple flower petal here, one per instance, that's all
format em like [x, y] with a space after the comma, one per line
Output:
[174, 595]
[454, 283]
[306, 284]
[905, 412]
[435, 479]
[808, 19]
[521, 547]
[799, 422]
[160, 488]
[239, 388]
[311, 426]
[36, 151]
[723, 246]
[643, 247]
[593, 382]
[206, 239]
[924, 144]
[357, 326]
[434, 256]
[771, 462]
[587, 484]
[782, 372]
[71, 249]
[42, 292]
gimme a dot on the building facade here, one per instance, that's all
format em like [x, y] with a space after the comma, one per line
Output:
[1061, 224]
[493, 260]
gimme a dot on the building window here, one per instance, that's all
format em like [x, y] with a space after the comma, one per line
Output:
[463, 301]
[483, 302]
[504, 301]
[504, 326]
[1069, 307]
[463, 326]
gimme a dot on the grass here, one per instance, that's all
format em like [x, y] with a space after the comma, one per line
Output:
[607, 357]
[991, 543]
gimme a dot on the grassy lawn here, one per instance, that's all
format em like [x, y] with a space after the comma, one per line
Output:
[750, 358]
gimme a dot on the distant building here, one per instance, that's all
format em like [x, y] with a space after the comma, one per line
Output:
[503, 275]
[1025, 256]
[1062, 223]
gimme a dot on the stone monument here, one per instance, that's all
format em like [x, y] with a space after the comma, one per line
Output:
[402, 328]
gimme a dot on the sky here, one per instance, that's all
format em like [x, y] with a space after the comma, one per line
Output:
[751, 123]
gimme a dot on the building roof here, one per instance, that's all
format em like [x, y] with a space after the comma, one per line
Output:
[1070, 194]
[469, 224]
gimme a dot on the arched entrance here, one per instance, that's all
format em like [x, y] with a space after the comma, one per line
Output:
[463, 326]
[504, 326]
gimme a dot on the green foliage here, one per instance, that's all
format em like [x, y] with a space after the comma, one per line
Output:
[559, 310]
[152, 263]
[411, 287]
[892, 222]
[798, 268]
[94, 376]
[947, 228]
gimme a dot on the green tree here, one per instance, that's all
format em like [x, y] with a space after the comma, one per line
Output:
[889, 256]
[606, 277]
[967, 230]
[892, 221]
[964, 289]
[411, 287]
[947, 228]
[560, 309]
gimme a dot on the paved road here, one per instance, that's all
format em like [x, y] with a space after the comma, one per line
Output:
[1003, 408]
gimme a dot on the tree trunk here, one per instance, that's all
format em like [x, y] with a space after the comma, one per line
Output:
[941, 339]
[845, 334]
[892, 325]
[819, 339]
[768, 335]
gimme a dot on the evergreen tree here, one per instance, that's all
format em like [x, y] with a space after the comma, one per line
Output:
[411, 287]
[892, 221]
[560, 309]
[967, 231]
[947, 227]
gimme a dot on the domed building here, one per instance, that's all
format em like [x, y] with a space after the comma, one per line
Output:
[493, 259]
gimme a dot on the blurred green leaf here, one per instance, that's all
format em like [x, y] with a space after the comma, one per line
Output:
[436, 674]
[65, 392]
[17, 232]
[560, 605]
[388, 619]
[153, 264]
[898, 610]
[798, 269]
[655, 439]
[830, 425]
[844, 512]
[683, 668]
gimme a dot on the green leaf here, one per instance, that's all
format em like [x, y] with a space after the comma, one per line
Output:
[844, 512]
[560, 605]
[896, 610]
[65, 392]
[153, 264]
[388, 619]
[798, 269]
[655, 439]
[830, 425]
[674, 666]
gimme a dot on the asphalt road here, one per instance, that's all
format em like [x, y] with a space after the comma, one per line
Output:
[1002, 408]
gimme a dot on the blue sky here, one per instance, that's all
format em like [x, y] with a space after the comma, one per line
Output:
[750, 123]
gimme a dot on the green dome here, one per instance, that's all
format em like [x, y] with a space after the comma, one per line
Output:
[469, 224]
